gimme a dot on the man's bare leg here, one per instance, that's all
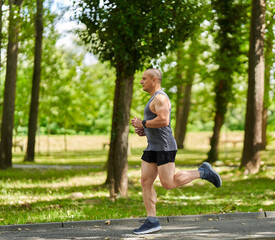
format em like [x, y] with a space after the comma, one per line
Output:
[169, 179]
[149, 173]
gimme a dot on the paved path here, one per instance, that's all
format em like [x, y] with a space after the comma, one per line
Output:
[260, 225]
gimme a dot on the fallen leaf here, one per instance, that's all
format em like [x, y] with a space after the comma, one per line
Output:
[108, 222]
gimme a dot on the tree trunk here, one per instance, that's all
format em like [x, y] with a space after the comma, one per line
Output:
[264, 124]
[253, 122]
[1, 35]
[180, 101]
[117, 160]
[214, 140]
[228, 19]
[10, 86]
[35, 83]
[1, 41]
[183, 109]
[179, 113]
[223, 89]
[184, 93]
[269, 38]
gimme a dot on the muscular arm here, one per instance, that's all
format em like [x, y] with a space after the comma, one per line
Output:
[160, 106]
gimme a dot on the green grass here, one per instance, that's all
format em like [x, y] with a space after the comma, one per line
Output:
[31, 196]
[49, 195]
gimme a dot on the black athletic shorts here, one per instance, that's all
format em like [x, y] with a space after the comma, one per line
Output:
[159, 157]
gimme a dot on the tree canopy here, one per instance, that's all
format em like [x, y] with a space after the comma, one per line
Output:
[134, 32]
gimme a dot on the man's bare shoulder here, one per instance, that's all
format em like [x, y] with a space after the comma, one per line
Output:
[161, 98]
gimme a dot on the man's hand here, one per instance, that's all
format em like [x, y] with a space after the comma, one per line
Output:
[137, 123]
[140, 131]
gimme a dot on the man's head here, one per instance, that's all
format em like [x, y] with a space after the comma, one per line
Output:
[155, 73]
[151, 79]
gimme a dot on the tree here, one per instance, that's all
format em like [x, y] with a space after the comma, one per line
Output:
[35, 82]
[230, 17]
[187, 67]
[129, 34]
[269, 60]
[254, 106]
[10, 85]
[1, 14]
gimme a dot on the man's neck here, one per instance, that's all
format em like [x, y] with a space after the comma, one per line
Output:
[155, 90]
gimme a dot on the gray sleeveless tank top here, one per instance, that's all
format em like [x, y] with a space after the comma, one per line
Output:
[159, 139]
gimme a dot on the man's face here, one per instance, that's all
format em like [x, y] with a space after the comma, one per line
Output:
[146, 81]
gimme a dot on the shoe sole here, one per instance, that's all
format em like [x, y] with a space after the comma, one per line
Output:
[212, 169]
[149, 231]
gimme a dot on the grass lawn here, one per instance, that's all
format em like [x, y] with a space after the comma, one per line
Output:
[47, 195]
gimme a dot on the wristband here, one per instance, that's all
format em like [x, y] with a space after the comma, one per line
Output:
[143, 123]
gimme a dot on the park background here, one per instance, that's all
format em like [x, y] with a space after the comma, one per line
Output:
[205, 69]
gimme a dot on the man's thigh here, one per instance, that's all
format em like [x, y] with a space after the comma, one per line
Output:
[149, 171]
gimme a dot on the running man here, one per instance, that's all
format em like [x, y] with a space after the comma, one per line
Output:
[159, 156]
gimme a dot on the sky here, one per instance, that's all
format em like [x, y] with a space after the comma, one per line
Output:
[65, 27]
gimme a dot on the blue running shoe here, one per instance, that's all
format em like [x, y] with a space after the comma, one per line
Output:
[210, 175]
[148, 227]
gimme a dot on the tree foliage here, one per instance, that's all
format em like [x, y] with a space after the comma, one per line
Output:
[135, 31]
[230, 18]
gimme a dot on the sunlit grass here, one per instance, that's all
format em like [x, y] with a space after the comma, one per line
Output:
[33, 195]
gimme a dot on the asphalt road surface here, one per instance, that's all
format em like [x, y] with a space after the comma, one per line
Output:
[225, 226]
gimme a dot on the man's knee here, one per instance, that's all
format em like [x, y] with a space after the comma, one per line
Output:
[167, 184]
[146, 182]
